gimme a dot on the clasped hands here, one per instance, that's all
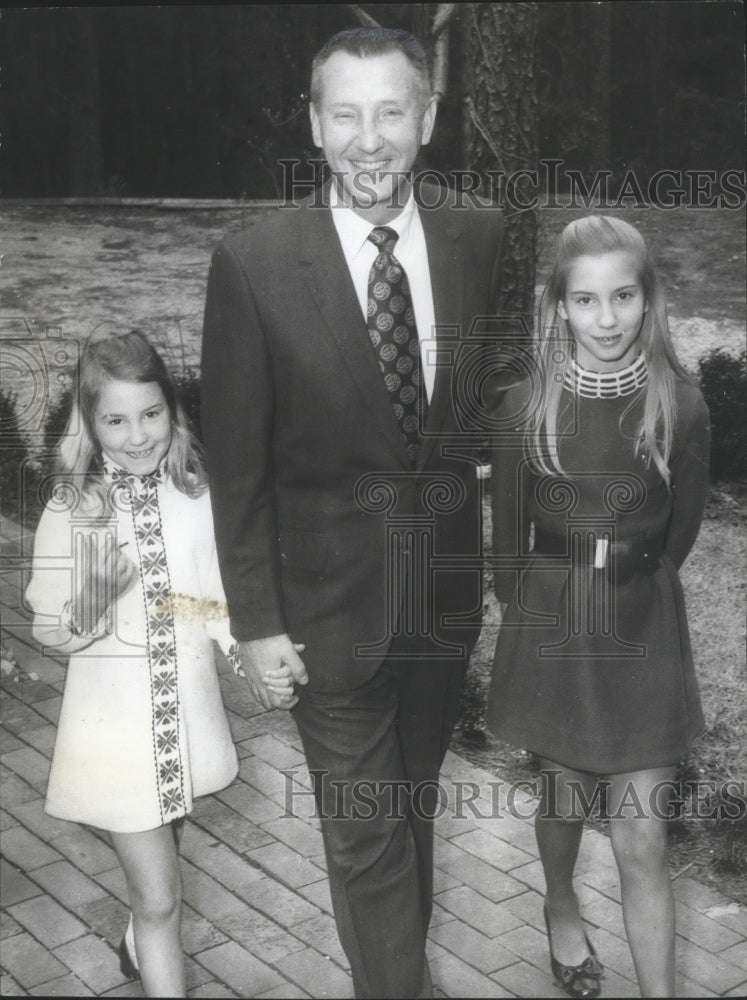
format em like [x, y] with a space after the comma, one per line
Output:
[272, 667]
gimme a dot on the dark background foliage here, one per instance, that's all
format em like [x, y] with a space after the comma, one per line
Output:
[202, 101]
[723, 382]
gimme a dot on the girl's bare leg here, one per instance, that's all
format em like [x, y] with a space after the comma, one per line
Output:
[638, 828]
[558, 827]
[150, 862]
[177, 828]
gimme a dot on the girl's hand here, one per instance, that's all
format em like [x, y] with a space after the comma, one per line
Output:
[103, 573]
[125, 570]
[279, 682]
[275, 658]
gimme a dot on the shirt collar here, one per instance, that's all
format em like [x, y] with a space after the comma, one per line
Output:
[354, 230]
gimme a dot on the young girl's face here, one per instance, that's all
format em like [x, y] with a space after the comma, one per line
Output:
[604, 306]
[133, 425]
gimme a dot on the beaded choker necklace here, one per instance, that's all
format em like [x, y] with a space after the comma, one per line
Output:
[607, 385]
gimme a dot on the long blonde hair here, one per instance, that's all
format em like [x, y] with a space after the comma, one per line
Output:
[591, 236]
[129, 357]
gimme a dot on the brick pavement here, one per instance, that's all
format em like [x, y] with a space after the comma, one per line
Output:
[257, 915]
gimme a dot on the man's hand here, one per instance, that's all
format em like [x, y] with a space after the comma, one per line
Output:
[271, 667]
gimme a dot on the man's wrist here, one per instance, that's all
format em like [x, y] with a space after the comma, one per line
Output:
[252, 634]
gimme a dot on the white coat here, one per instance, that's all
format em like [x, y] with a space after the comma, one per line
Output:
[142, 729]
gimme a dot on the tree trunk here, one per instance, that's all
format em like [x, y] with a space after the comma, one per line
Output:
[500, 119]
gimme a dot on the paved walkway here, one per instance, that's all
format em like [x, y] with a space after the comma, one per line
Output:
[257, 919]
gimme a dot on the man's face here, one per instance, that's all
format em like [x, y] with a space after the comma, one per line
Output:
[371, 119]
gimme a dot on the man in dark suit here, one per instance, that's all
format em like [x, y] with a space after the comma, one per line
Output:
[346, 503]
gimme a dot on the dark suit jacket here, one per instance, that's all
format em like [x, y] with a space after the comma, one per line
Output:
[297, 420]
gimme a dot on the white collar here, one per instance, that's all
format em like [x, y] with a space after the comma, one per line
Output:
[607, 385]
[354, 230]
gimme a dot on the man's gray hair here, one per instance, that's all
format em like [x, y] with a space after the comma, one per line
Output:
[366, 42]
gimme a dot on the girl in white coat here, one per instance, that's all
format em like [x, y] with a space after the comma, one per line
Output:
[126, 581]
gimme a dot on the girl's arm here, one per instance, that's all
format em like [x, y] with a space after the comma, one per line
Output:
[211, 598]
[78, 572]
[510, 496]
[689, 480]
[217, 624]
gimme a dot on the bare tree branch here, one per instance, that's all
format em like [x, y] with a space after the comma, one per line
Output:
[440, 38]
[442, 18]
[441, 65]
[366, 20]
[469, 104]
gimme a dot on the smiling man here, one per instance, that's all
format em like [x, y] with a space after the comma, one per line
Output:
[371, 124]
[345, 505]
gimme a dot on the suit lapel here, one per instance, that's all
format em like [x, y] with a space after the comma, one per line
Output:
[446, 265]
[331, 287]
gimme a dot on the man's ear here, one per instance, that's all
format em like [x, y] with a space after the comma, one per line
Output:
[316, 132]
[429, 120]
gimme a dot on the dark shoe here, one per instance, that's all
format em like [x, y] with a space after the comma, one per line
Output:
[579, 981]
[126, 965]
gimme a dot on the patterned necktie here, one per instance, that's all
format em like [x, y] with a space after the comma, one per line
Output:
[394, 336]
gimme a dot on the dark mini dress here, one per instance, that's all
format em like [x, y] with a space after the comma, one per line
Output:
[593, 667]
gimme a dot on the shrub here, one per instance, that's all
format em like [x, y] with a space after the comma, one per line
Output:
[723, 382]
[57, 416]
[13, 455]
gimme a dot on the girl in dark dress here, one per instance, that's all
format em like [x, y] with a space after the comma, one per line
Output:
[603, 462]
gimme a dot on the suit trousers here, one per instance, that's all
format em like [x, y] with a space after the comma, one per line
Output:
[377, 752]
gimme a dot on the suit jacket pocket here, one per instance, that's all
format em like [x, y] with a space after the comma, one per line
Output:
[303, 551]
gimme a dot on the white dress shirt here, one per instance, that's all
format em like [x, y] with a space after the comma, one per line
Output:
[412, 254]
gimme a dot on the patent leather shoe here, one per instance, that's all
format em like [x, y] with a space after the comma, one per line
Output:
[126, 964]
[579, 981]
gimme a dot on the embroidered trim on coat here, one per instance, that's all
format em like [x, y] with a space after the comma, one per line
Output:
[160, 642]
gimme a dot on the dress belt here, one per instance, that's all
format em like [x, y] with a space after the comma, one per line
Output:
[627, 558]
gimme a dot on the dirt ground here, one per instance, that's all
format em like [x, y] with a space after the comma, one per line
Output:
[79, 269]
